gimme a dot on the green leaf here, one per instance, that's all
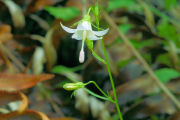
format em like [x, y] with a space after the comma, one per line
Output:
[123, 63]
[142, 44]
[64, 13]
[163, 15]
[125, 27]
[164, 59]
[168, 31]
[170, 3]
[68, 72]
[63, 69]
[130, 4]
[166, 74]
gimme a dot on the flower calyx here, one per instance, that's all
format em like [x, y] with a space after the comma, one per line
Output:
[73, 86]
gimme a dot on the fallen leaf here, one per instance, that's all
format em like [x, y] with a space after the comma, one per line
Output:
[15, 82]
[5, 34]
[7, 97]
[64, 118]
[37, 5]
[30, 115]
[79, 4]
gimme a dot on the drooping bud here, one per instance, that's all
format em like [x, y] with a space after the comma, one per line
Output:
[73, 86]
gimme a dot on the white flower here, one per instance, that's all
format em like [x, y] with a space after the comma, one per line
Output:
[82, 32]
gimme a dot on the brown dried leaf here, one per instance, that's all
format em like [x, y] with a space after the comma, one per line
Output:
[7, 97]
[64, 118]
[79, 4]
[15, 82]
[37, 5]
[5, 34]
[30, 115]
[5, 59]
[176, 116]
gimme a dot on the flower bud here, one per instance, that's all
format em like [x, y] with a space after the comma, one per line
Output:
[73, 86]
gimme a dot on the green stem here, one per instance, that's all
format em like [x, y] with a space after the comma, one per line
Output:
[98, 88]
[98, 96]
[112, 81]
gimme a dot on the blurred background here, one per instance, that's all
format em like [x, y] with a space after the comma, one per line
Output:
[34, 48]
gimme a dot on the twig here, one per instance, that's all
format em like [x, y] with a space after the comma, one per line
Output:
[12, 57]
[141, 59]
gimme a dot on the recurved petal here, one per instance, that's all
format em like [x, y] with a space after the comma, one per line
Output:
[78, 35]
[101, 33]
[92, 36]
[69, 30]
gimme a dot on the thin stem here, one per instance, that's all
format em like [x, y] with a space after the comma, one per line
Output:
[110, 75]
[98, 96]
[97, 88]
[84, 7]
[143, 62]
[112, 81]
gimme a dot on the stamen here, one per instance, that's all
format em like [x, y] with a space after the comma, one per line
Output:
[81, 54]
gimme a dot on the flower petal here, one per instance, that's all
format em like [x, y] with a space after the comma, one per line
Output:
[85, 25]
[101, 33]
[78, 35]
[69, 30]
[92, 36]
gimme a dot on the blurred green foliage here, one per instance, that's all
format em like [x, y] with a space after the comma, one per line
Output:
[170, 3]
[64, 13]
[130, 4]
[166, 74]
